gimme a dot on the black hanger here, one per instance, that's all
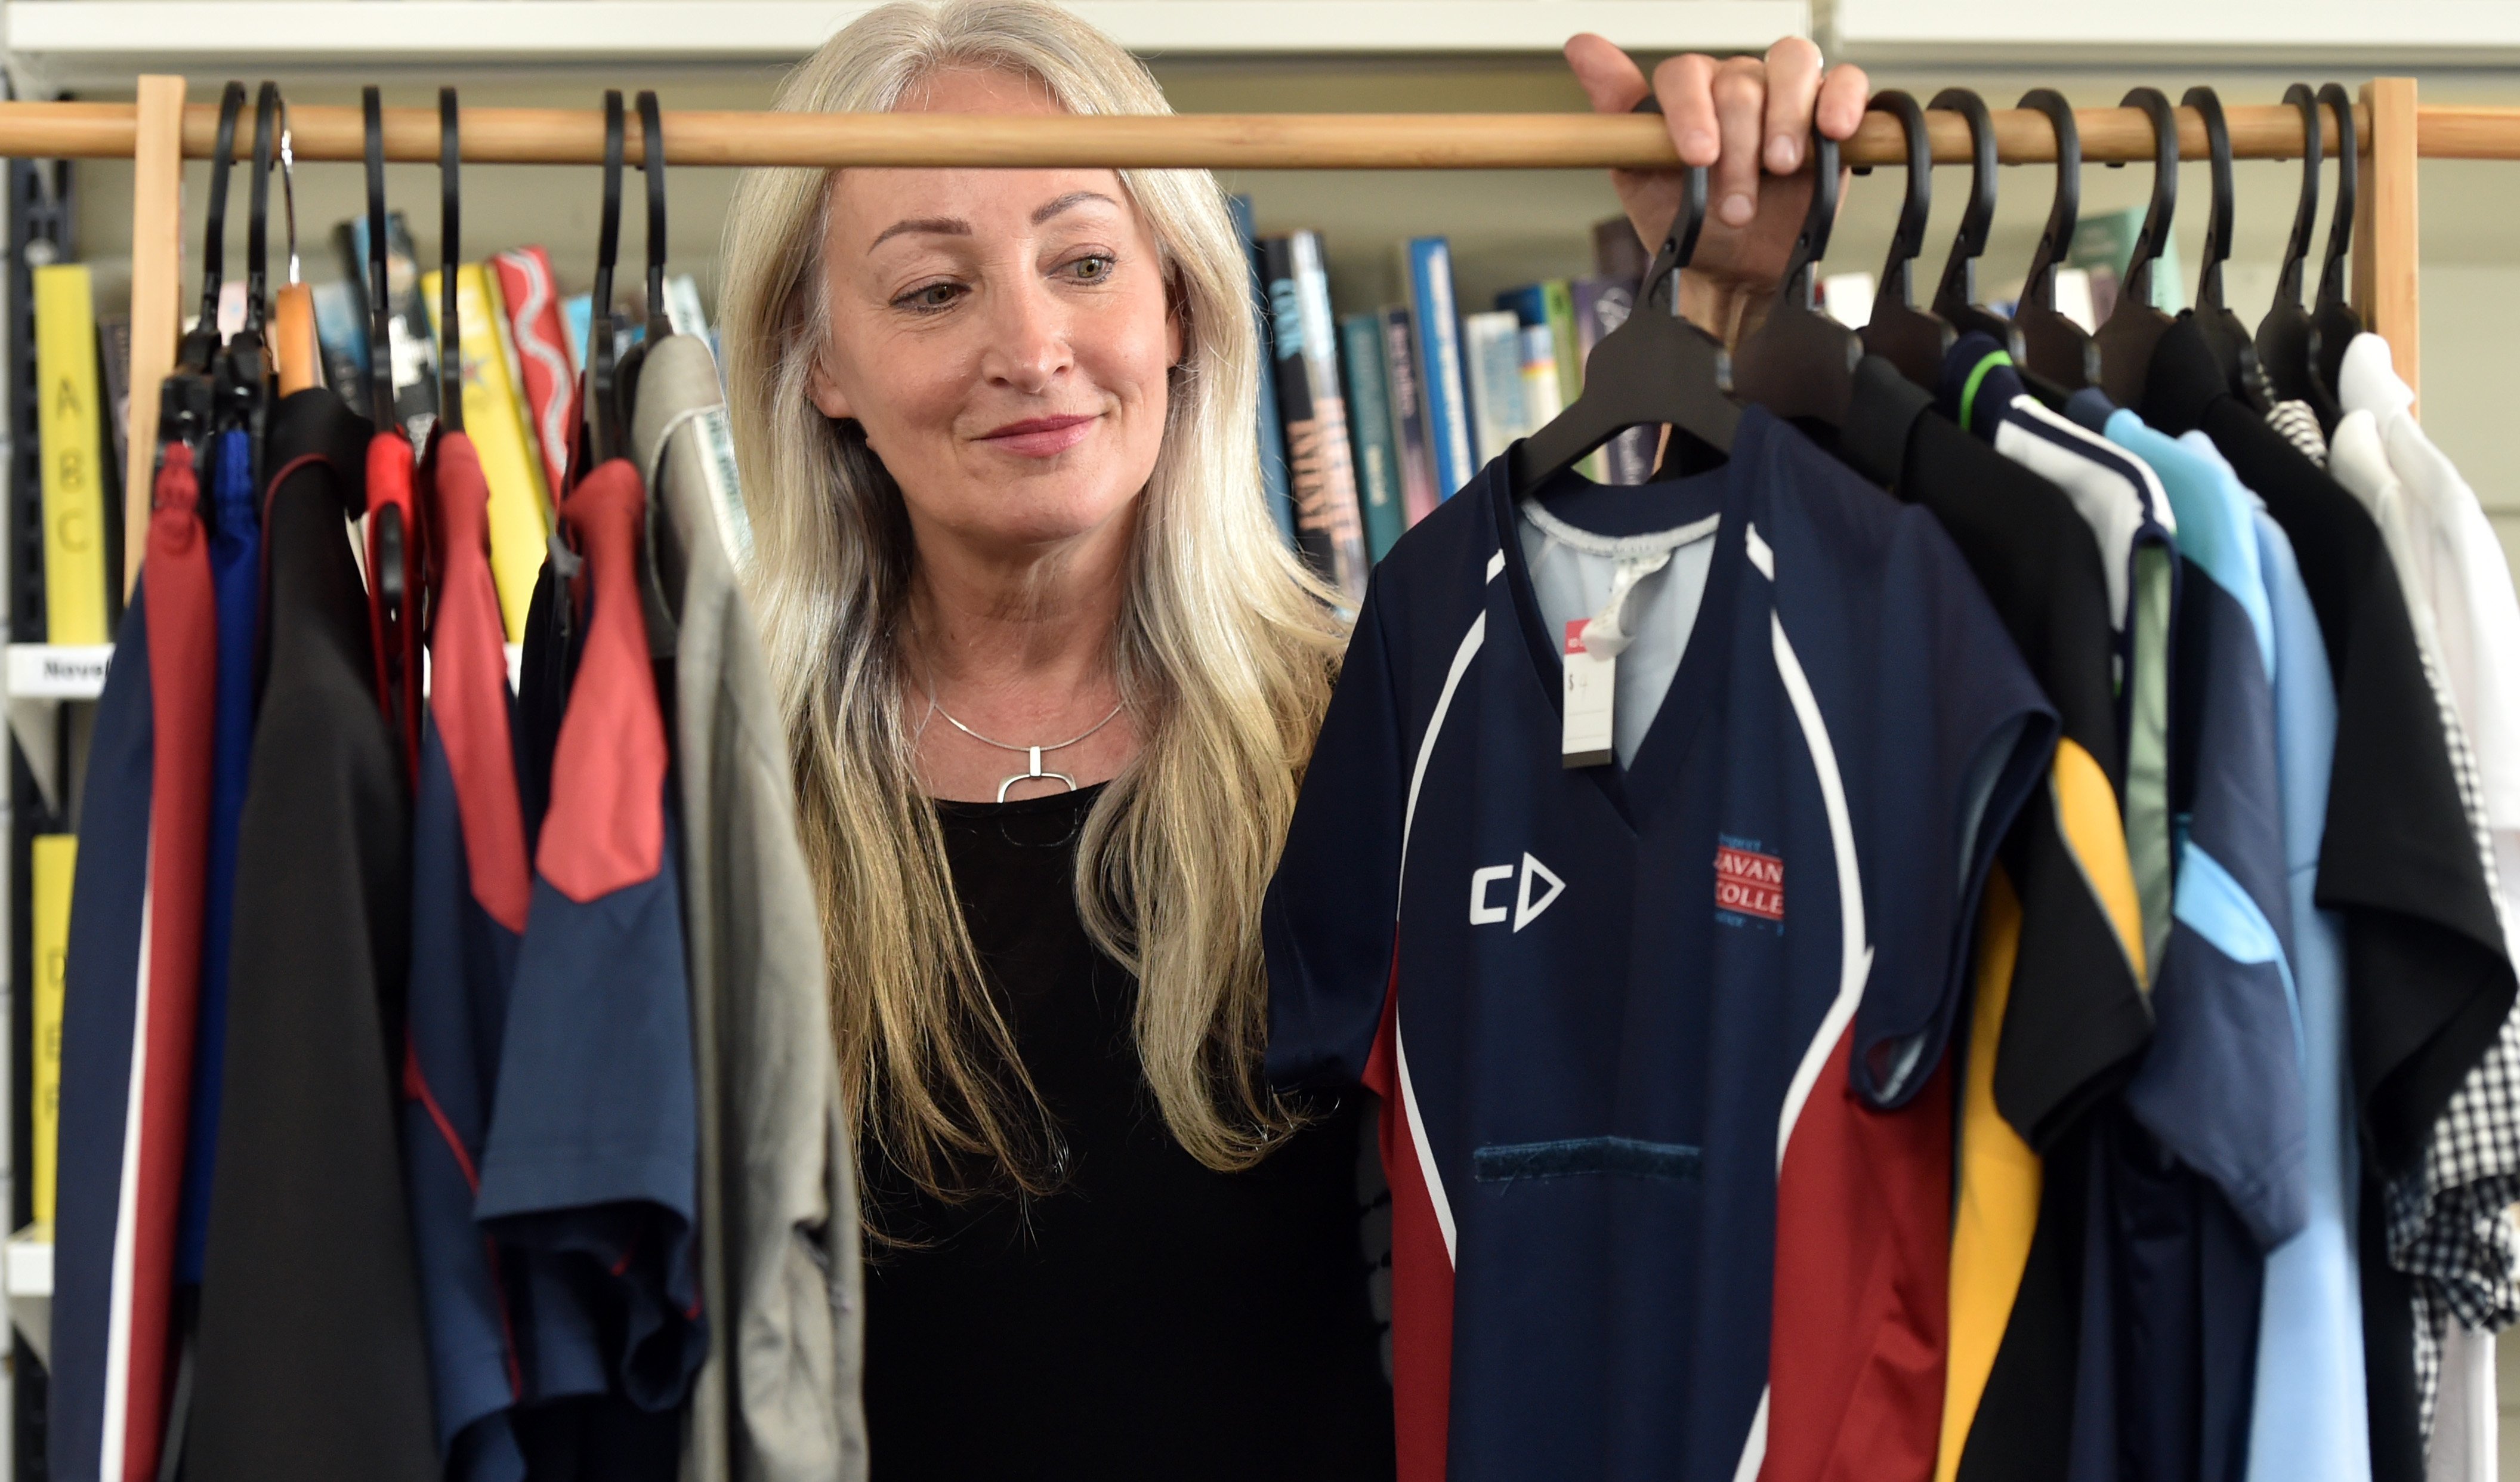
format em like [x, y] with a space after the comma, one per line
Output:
[2283, 335]
[396, 541]
[2225, 335]
[1912, 339]
[2135, 325]
[381, 383]
[2332, 320]
[257, 234]
[201, 346]
[1956, 298]
[187, 400]
[603, 426]
[651, 163]
[1657, 368]
[450, 253]
[1800, 362]
[651, 167]
[242, 371]
[2053, 345]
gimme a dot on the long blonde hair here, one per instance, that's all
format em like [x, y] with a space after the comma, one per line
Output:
[1224, 652]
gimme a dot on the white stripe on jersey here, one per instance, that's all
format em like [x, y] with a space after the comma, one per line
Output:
[126, 1208]
[1855, 950]
[1754, 1451]
[1470, 649]
[1425, 1151]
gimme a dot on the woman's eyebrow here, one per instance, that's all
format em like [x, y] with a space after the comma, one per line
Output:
[932, 226]
[1069, 202]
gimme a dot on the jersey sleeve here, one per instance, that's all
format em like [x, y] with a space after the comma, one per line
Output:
[1328, 924]
[1963, 734]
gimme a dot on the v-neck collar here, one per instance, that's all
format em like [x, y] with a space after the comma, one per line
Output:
[1638, 787]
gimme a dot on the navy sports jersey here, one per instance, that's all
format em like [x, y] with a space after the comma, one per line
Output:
[1604, 1005]
[498, 1322]
[593, 1145]
[129, 993]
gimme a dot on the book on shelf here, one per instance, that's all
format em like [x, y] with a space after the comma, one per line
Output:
[545, 373]
[494, 418]
[1492, 354]
[1541, 398]
[1272, 434]
[1550, 305]
[341, 337]
[1377, 461]
[1329, 527]
[72, 439]
[411, 356]
[1408, 435]
[1426, 271]
[1619, 263]
[52, 866]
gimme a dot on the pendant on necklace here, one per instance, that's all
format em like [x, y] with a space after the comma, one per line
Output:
[1036, 775]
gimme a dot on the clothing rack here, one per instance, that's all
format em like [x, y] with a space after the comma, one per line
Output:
[158, 132]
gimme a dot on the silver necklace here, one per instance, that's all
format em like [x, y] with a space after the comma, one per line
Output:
[1035, 774]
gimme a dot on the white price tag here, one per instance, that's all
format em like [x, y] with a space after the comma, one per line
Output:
[1591, 682]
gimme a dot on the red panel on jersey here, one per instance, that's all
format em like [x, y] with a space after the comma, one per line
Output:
[1421, 1273]
[1863, 1228]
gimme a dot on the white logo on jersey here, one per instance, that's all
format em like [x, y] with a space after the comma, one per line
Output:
[1525, 909]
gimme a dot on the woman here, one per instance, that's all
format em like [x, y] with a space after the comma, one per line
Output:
[1050, 680]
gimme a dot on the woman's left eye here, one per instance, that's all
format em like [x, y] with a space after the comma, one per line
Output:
[1093, 269]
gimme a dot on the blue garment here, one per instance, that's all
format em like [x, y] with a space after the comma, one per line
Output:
[236, 573]
[2220, 1094]
[1596, 1000]
[103, 986]
[2309, 1422]
[592, 1151]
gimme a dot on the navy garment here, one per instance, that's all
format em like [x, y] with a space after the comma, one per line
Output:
[507, 1327]
[99, 1010]
[2429, 979]
[593, 1147]
[2211, 1167]
[1613, 994]
[130, 988]
[236, 573]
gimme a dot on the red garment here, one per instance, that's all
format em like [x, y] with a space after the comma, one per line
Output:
[183, 669]
[1863, 1307]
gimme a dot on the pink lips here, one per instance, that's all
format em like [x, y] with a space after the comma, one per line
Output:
[1040, 436]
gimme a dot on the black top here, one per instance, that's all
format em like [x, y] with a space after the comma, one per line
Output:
[1151, 1319]
[2427, 975]
[2428, 982]
[312, 1361]
[2076, 1016]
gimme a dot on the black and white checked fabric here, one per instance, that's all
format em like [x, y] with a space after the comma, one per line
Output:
[2450, 1221]
[2299, 425]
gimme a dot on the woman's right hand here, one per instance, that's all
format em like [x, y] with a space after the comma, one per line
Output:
[1739, 116]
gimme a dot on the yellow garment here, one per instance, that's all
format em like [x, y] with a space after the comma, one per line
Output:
[2094, 833]
[1998, 1176]
[1998, 1173]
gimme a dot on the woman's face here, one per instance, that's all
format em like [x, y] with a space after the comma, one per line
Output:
[1002, 335]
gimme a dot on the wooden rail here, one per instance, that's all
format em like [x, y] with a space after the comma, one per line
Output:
[1217, 141]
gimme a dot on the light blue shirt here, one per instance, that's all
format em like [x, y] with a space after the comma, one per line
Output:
[2308, 1421]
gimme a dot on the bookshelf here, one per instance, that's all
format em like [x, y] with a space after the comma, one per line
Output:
[77, 43]
[41, 679]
